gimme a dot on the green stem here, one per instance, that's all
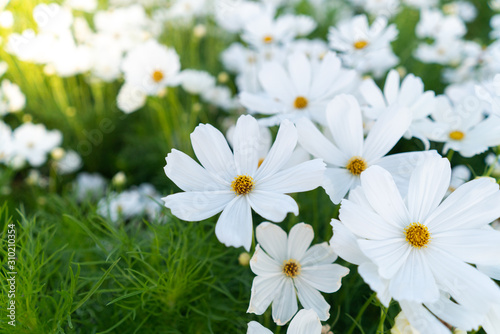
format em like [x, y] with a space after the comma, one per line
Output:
[361, 311]
[450, 154]
[383, 314]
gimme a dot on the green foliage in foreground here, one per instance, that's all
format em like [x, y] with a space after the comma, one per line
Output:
[78, 273]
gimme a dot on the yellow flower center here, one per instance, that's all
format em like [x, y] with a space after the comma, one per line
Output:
[291, 268]
[268, 39]
[359, 45]
[242, 184]
[356, 165]
[457, 135]
[417, 235]
[158, 76]
[300, 102]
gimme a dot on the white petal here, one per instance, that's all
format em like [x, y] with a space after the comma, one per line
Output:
[428, 185]
[474, 204]
[255, 328]
[345, 244]
[372, 94]
[246, 144]
[346, 124]
[305, 322]
[381, 191]
[276, 82]
[310, 298]
[337, 182]
[464, 283]
[386, 132]
[198, 205]
[318, 254]
[234, 227]
[414, 281]
[187, 174]
[388, 255]
[478, 246]
[273, 240]
[264, 291]
[263, 265]
[421, 319]
[365, 223]
[212, 151]
[402, 165]
[299, 239]
[369, 272]
[272, 206]
[305, 176]
[261, 104]
[455, 314]
[491, 271]
[314, 142]
[299, 68]
[324, 277]
[391, 88]
[280, 152]
[285, 303]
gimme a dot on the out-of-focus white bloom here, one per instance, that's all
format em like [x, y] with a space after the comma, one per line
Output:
[435, 25]
[463, 130]
[408, 93]
[387, 8]
[52, 18]
[495, 25]
[459, 175]
[6, 143]
[69, 163]
[150, 67]
[302, 24]
[287, 268]
[196, 82]
[219, 96]
[234, 183]
[119, 179]
[11, 98]
[442, 51]
[234, 15]
[6, 19]
[183, 10]
[33, 142]
[89, 186]
[314, 49]
[463, 9]
[265, 31]
[402, 325]
[83, 5]
[356, 37]
[299, 89]
[493, 163]
[35, 178]
[304, 322]
[130, 98]
[421, 4]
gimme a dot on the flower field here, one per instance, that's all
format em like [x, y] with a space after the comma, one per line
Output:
[241, 166]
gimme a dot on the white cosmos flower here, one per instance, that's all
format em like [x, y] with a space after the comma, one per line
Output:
[234, 183]
[299, 89]
[33, 142]
[462, 129]
[287, 268]
[422, 245]
[304, 322]
[409, 93]
[151, 67]
[349, 154]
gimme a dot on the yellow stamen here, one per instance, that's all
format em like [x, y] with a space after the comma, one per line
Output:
[242, 184]
[457, 135]
[268, 39]
[261, 160]
[356, 165]
[291, 268]
[417, 235]
[158, 76]
[300, 102]
[359, 45]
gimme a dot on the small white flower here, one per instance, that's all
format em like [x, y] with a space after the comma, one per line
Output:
[287, 268]
[299, 89]
[12, 98]
[233, 182]
[89, 185]
[304, 322]
[33, 142]
[402, 325]
[196, 82]
[69, 163]
[150, 67]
